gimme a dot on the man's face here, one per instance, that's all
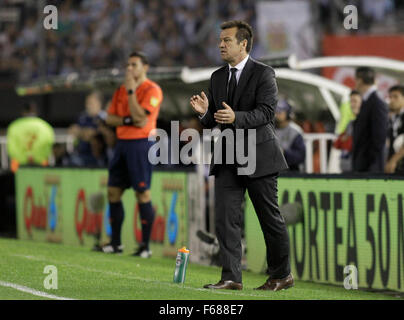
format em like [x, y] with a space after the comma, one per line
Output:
[136, 67]
[230, 49]
[281, 116]
[356, 102]
[396, 101]
[93, 105]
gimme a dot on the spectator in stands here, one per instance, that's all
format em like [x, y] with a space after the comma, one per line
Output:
[290, 136]
[345, 139]
[85, 130]
[370, 127]
[395, 163]
[99, 150]
[377, 9]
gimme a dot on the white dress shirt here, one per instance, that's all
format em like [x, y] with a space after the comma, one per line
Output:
[239, 68]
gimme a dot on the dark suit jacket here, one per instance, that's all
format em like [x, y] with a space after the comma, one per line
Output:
[369, 135]
[254, 104]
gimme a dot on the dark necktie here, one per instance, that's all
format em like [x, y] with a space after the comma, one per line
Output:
[230, 95]
[232, 87]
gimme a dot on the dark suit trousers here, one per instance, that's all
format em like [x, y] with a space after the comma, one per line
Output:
[229, 194]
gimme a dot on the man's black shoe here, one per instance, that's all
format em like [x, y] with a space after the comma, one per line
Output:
[228, 284]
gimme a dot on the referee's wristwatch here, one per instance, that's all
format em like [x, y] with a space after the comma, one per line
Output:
[127, 121]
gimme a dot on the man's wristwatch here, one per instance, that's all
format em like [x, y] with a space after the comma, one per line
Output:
[127, 121]
[130, 92]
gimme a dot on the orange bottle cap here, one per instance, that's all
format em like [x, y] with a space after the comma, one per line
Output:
[183, 250]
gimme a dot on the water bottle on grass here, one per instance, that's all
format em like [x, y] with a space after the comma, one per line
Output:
[181, 264]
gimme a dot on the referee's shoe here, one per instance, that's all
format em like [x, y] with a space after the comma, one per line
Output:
[109, 248]
[142, 252]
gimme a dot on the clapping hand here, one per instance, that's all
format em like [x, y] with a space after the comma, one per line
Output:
[200, 103]
[225, 115]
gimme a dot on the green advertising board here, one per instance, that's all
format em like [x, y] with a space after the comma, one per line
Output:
[357, 222]
[70, 206]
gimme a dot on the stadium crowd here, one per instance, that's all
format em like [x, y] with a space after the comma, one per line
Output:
[96, 34]
[99, 34]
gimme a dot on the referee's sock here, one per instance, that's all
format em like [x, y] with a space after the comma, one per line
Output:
[117, 214]
[147, 217]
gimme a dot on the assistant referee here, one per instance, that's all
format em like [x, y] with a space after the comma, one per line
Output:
[133, 111]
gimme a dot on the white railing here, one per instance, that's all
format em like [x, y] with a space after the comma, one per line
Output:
[322, 138]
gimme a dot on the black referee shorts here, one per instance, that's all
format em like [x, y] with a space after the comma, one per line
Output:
[130, 166]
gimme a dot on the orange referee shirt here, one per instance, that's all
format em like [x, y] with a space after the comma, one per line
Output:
[149, 96]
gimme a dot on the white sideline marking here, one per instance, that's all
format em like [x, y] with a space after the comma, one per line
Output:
[120, 275]
[32, 291]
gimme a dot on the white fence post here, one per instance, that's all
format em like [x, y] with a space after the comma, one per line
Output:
[323, 138]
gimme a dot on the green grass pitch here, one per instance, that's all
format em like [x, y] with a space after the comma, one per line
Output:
[83, 274]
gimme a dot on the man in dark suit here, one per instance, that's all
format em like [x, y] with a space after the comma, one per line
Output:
[370, 127]
[243, 95]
